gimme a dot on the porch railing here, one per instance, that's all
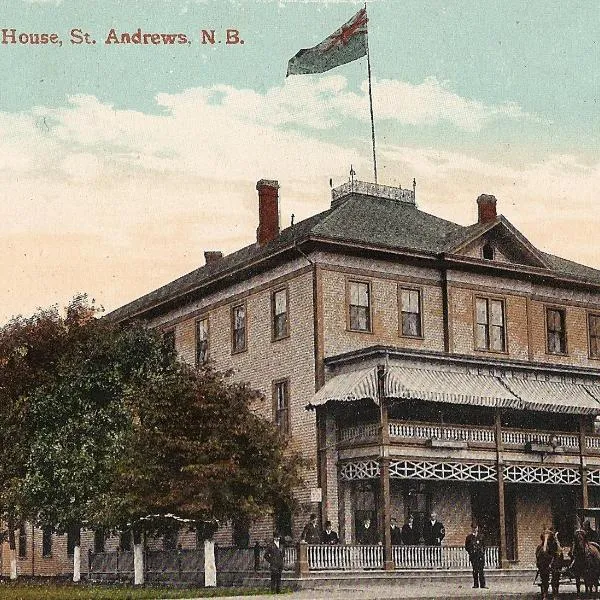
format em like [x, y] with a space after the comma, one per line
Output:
[342, 557]
[439, 557]
[466, 433]
[354, 557]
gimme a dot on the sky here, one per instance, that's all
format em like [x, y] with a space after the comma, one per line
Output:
[120, 164]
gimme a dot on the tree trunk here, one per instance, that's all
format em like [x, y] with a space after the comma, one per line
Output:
[77, 556]
[12, 543]
[138, 557]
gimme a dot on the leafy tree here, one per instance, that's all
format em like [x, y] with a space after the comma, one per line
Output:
[200, 451]
[29, 348]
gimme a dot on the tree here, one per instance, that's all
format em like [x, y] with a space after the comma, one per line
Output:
[107, 429]
[29, 348]
[82, 422]
[201, 452]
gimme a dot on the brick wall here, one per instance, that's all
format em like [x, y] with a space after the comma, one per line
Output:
[385, 315]
[534, 514]
[263, 362]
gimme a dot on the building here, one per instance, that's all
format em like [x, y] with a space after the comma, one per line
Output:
[423, 365]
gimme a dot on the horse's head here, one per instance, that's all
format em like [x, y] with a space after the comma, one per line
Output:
[579, 539]
[549, 542]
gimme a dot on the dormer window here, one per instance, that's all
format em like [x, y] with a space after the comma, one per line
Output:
[488, 252]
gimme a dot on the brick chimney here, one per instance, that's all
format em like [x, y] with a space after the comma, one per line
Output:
[268, 211]
[486, 208]
[212, 256]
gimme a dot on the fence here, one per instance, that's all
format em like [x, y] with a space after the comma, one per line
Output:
[184, 565]
[352, 557]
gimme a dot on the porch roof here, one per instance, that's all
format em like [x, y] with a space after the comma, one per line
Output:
[556, 396]
[461, 388]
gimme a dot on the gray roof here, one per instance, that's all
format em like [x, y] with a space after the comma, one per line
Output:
[360, 219]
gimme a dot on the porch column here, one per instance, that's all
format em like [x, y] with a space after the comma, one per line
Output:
[502, 556]
[582, 462]
[384, 473]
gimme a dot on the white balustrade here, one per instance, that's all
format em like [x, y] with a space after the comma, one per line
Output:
[592, 442]
[354, 557]
[518, 437]
[344, 557]
[466, 433]
[439, 557]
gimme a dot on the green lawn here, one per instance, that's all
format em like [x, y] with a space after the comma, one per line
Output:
[9, 591]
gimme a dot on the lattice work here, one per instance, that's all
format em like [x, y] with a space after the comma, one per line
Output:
[593, 477]
[445, 471]
[546, 475]
[362, 469]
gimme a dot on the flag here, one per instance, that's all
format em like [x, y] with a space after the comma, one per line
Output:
[346, 44]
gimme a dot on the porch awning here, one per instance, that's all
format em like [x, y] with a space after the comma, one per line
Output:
[451, 387]
[555, 396]
[347, 387]
[461, 388]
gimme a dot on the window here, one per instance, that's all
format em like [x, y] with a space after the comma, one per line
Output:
[410, 312]
[46, 541]
[594, 333]
[22, 541]
[555, 328]
[73, 539]
[201, 341]
[169, 540]
[489, 327]
[169, 340]
[488, 252]
[125, 540]
[99, 539]
[238, 326]
[281, 401]
[360, 306]
[279, 311]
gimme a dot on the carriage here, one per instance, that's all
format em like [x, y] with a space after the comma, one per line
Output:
[582, 563]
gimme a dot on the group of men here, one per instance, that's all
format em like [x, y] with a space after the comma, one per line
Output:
[432, 534]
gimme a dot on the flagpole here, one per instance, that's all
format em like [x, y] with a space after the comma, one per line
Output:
[371, 103]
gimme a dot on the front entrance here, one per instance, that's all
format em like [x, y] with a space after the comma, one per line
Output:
[366, 497]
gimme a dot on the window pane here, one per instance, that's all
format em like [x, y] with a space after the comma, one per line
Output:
[363, 294]
[595, 346]
[280, 325]
[497, 338]
[481, 310]
[497, 312]
[202, 329]
[411, 324]
[481, 336]
[405, 300]
[280, 302]
[414, 301]
[594, 325]
[359, 318]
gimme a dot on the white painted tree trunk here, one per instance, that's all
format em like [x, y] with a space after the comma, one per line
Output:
[138, 564]
[77, 564]
[13, 563]
[210, 566]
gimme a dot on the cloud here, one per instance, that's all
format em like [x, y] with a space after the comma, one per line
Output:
[116, 202]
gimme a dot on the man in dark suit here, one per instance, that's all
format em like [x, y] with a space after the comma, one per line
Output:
[395, 532]
[274, 556]
[410, 535]
[329, 536]
[310, 533]
[475, 547]
[366, 533]
[433, 531]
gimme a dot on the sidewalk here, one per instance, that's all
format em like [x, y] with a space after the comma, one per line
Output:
[499, 590]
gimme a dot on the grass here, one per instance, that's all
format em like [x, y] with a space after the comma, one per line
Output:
[53, 591]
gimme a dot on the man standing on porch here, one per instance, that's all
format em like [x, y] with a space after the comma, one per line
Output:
[410, 535]
[433, 531]
[396, 533]
[310, 533]
[274, 556]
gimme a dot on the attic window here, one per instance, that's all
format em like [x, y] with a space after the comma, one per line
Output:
[488, 252]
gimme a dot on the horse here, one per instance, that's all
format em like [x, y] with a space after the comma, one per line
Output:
[549, 561]
[586, 562]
